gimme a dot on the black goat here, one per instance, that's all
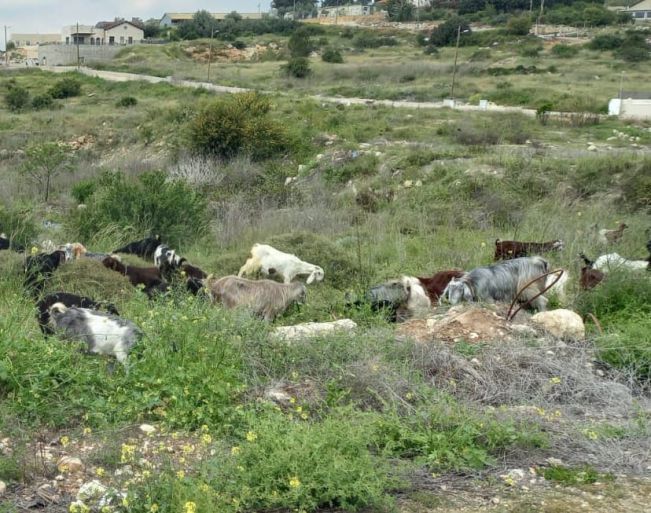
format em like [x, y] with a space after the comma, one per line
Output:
[144, 248]
[40, 267]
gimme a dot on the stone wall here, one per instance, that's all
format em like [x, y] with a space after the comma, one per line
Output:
[66, 55]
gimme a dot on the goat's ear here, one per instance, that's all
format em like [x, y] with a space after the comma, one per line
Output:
[311, 277]
[467, 293]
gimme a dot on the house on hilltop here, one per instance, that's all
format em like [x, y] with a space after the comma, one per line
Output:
[117, 32]
[640, 11]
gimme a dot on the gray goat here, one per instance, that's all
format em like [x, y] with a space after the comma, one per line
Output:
[265, 298]
[501, 282]
[103, 333]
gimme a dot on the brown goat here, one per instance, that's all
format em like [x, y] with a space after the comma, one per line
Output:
[590, 277]
[508, 249]
[435, 285]
[148, 276]
[265, 298]
[612, 236]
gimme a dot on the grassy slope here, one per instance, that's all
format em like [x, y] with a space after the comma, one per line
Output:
[587, 80]
[365, 389]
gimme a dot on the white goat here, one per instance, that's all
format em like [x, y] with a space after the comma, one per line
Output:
[271, 262]
[612, 261]
[418, 301]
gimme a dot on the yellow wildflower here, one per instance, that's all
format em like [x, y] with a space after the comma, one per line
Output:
[125, 502]
[235, 450]
[188, 449]
[64, 441]
[180, 474]
[555, 380]
[153, 508]
[146, 474]
[292, 400]
[294, 482]
[99, 471]
[128, 453]
[299, 409]
[251, 436]
[204, 428]
[206, 438]
[304, 416]
[592, 435]
[34, 250]
[105, 509]
[190, 507]
[87, 431]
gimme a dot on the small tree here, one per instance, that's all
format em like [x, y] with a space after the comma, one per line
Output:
[16, 98]
[10, 46]
[152, 28]
[44, 162]
[400, 10]
[518, 25]
[299, 43]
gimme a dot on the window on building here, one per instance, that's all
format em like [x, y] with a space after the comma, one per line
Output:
[130, 40]
[111, 40]
[67, 40]
[121, 40]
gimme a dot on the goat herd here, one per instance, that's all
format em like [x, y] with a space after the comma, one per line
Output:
[519, 273]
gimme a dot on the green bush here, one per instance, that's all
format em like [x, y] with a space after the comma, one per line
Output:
[300, 44]
[565, 51]
[42, 101]
[240, 45]
[83, 190]
[333, 55]
[152, 204]
[238, 124]
[18, 224]
[605, 42]
[631, 53]
[518, 25]
[127, 101]
[400, 10]
[368, 39]
[530, 50]
[574, 476]
[65, 88]
[364, 165]
[298, 67]
[16, 98]
[446, 33]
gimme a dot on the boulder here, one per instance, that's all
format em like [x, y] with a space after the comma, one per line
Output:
[70, 465]
[313, 329]
[560, 323]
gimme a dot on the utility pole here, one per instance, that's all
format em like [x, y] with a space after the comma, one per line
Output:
[77, 37]
[454, 70]
[212, 33]
[6, 51]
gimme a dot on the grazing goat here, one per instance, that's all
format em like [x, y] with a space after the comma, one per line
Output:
[6, 243]
[193, 275]
[508, 249]
[435, 285]
[164, 253]
[102, 333]
[612, 261]
[612, 236]
[149, 277]
[40, 267]
[74, 250]
[270, 262]
[144, 248]
[265, 298]
[501, 282]
[590, 277]
[43, 307]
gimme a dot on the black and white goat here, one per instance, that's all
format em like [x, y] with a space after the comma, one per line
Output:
[102, 333]
[144, 248]
[501, 282]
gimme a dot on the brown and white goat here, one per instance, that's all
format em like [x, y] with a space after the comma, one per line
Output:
[612, 236]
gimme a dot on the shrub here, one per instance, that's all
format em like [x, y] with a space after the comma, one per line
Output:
[152, 204]
[363, 165]
[238, 124]
[42, 101]
[16, 98]
[127, 101]
[370, 40]
[633, 53]
[297, 67]
[65, 88]
[446, 33]
[400, 10]
[44, 162]
[530, 50]
[239, 44]
[332, 55]
[83, 190]
[518, 25]
[299, 43]
[605, 42]
[564, 51]
[18, 224]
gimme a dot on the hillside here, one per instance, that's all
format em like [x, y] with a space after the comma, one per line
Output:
[216, 413]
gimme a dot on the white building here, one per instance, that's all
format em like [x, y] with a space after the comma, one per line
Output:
[173, 19]
[640, 11]
[119, 32]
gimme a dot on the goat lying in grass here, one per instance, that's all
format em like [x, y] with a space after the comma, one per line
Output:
[102, 333]
[265, 298]
[144, 248]
[612, 261]
[271, 262]
[149, 277]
